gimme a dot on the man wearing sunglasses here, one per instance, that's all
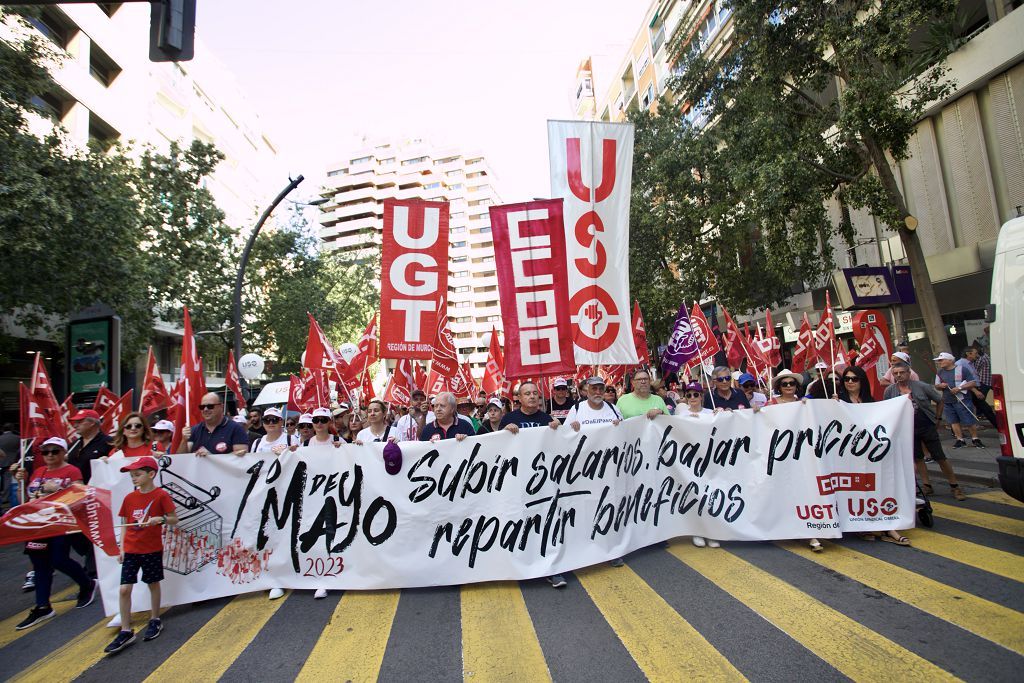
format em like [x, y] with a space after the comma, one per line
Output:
[721, 395]
[216, 433]
[91, 445]
[748, 383]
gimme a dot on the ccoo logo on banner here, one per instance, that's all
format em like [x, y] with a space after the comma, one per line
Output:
[592, 170]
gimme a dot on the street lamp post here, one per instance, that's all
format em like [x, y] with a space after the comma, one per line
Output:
[236, 317]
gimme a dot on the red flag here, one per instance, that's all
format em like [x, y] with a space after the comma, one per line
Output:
[112, 419]
[367, 390]
[870, 352]
[467, 372]
[176, 412]
[757, 348]
[494, 371]
[321, 355]
[640, 335]
[231, 380]
[367, 353]
[804, 355]
[67, 409]
[461, 388]
[42, 392]
[734, 343]
[104, 399]
[154, 392]
[308, 392]
[192, 372]
[33, 421]
[421, 378]
[436, 383]
[826, 345]
[702, 331]
[612, 374]
[401, 383]
[76, 508]
[774, 353]
[443, 358]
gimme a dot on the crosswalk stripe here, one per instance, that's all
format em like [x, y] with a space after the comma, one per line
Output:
[69, 661]
[351, 647]
[984, 618]
[860, 654]
[997, 497]
[664, 645]
[1006, 525]
[214, 647]
[973, 554]
[498, 638]
[62, 602]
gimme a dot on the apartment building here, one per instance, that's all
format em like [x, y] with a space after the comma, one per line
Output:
[352, 222]
[963, 180]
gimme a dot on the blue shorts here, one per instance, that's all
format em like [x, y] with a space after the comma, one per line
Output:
[151, 564]
[957, 413]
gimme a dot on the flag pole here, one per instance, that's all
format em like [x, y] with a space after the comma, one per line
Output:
[703, 370]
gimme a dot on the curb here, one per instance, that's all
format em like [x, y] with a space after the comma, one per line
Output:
[967, 475]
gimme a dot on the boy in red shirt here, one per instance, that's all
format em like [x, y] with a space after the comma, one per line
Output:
[143, 512]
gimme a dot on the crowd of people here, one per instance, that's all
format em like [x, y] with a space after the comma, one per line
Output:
[957, 395]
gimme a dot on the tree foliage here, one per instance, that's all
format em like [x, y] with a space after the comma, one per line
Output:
[802, 108]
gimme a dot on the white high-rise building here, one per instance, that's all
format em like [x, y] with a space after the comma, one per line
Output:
[352, 221]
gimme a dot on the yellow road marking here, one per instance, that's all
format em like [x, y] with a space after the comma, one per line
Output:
[61, 602]
[664, 645]
[861, 654]
[208, 654]
[973, 554]
[69, 661]
[1006, 525]
[982, 617]
[997, 497]
[499, 642]
[351, 647]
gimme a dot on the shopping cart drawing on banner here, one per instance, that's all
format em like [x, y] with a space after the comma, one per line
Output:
[198, 536]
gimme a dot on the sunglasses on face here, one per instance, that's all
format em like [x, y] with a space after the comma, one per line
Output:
[750, 385]
[850, 379]
[271, 420]
[208, 406]
[133, 426]
[321, 420]
[51, 451]
[290, 424]
[305, 425]
[723, 379]
[787, 384]
[693, 394]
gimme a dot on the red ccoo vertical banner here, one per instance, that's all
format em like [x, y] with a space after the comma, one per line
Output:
[529, 255]
[414, 275]
[591, 169]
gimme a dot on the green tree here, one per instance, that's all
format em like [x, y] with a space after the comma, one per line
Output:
[810, 102]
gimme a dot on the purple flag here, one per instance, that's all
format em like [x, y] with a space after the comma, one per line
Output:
[682, 345]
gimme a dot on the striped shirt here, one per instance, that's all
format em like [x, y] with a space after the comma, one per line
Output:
[983, 368]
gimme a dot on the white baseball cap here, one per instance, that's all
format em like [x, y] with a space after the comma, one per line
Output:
[242, 419]
[56, 441]
[944, 356]
[271, 412]
[164, 426]
[305, 419]
[321, 412]
[905, 357]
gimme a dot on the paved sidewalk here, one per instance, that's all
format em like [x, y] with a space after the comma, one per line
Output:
[971, 464]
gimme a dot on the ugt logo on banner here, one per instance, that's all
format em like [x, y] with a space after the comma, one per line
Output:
[414, 274]
[591, 169]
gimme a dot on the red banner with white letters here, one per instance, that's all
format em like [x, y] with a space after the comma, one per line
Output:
[76, 508]
[530, 257]
[414, 275]
[592, 169]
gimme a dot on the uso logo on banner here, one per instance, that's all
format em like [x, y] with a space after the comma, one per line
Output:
[591, 169]
[414, 273]
[529, 255]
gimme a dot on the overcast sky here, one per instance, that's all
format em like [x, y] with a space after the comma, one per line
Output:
[482, 75]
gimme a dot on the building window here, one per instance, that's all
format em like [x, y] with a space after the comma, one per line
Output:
[462, 304]
[659, 39]
[642, 64]
[100, 132]
[54, 26]
[50, 106]
[460, 290]
[456, 186]
[484, 229]
[431, 186]
[102, 67]
[493, 318]
[465, 319]
[458, 245]
[361, 160]
[648, 97]
[460, 273]
[458, 230]
[387, 162]
[340, 171]
[458, 259]
[410, 162]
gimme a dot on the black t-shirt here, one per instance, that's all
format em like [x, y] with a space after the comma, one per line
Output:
[518, 418]
[560, 410]
[81, 456]
[737, 399]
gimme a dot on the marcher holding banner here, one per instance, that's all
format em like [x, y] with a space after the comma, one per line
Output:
[53, 554]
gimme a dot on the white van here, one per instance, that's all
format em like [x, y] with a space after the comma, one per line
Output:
[1006, 333]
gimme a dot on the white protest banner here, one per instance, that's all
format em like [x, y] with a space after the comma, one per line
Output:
[517, 506]
[591, 170]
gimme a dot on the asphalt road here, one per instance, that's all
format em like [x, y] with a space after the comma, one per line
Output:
[950, 607]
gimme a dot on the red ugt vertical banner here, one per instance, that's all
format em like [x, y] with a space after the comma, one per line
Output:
[529, 255]
[414, 274]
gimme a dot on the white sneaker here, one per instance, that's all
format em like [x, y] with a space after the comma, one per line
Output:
[712, 543]
[320, 594]
[276, 593]
[699, 541]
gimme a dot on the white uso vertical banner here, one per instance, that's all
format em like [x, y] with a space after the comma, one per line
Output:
[592, 169]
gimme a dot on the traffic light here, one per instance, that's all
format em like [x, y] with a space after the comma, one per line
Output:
[172, 30]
